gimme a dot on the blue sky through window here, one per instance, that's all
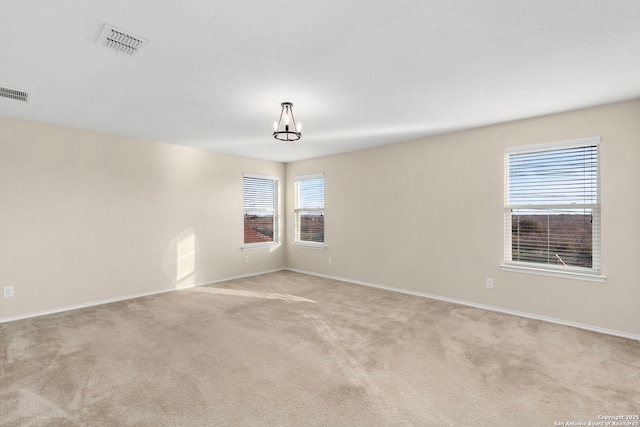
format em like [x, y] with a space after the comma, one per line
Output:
[557, 177]
[311, 194]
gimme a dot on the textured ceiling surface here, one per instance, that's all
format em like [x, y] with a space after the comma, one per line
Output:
[359, 73]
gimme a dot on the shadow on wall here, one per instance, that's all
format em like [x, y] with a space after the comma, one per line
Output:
[180, 261]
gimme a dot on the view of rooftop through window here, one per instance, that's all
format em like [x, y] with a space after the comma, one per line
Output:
[260, 198]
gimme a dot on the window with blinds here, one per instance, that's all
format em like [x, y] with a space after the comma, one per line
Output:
[309, 210]
[552, 215]
[260, 199]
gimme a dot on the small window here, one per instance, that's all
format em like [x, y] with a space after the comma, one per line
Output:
[552, 209]
[260, 195]
[309, 210]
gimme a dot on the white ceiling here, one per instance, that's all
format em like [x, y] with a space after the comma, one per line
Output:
[359, 73]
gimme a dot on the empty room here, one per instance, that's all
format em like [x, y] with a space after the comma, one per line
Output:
[278, 213]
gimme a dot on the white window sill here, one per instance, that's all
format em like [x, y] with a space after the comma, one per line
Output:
[309, 245]
[266, 245]
[567, 274]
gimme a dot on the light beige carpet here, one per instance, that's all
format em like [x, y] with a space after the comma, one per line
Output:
[288, 349]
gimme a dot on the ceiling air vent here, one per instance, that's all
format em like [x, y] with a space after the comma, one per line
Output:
[120, 40]
[14, 94]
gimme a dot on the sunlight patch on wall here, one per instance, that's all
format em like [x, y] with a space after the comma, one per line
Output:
[181, 260]
[186, 261]
[274, 246]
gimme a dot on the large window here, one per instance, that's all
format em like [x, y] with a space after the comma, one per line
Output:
[260, 195]
[309, 210]
[552, 212]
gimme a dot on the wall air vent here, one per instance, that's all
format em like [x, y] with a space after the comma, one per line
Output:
[120, 40]
[18, 95]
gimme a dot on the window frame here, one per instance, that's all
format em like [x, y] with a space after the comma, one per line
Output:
[297, 210]
[582, 273]
[276, 200]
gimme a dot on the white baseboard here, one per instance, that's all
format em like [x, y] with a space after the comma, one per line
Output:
[482, 306]
[125, 297]
[343, 279]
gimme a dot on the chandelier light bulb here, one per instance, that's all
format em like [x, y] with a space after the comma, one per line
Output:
[286, 128]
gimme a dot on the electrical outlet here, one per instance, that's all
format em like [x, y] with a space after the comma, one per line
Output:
[246, 259]
[330, 260]
[489, 283]
[8, 291]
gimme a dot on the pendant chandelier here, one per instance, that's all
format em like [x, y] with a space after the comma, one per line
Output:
[286, 129]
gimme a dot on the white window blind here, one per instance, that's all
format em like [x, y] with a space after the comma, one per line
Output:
[552, 216]
[260, 200]
[309, 209]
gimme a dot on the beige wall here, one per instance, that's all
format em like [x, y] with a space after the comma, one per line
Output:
[86, 217]
[427, 216]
